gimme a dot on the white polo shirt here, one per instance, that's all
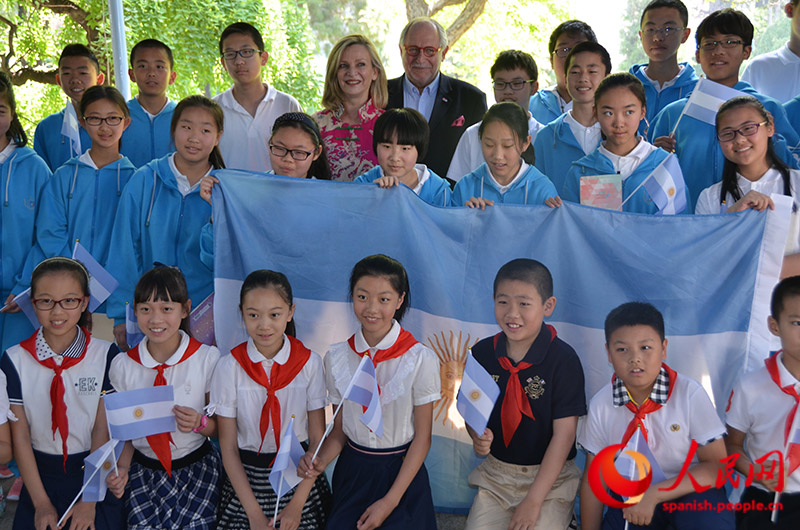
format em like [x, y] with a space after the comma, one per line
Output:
[191, 380]
[759, 409]
[626, 165]
[5, 406]
[775, 74]
[244, 140]
[406, 381]
[688, 414]
[234, 394]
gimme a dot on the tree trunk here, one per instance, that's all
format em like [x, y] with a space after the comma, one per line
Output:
[469, 14]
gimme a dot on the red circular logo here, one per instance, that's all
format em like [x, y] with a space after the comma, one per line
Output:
[604, 474]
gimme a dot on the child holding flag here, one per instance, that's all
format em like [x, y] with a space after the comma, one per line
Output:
[529, 478]
[762, 411]
[380, 479]
[259, 387]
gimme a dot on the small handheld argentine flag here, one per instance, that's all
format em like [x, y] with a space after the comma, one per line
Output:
[97, 466]
[72, 129]
[364, 391]
[666, 186]
[141, 412]
[133, 335]
[25, 304]
[706, 99]
[632, 467]
[477, 395]
[101, 283]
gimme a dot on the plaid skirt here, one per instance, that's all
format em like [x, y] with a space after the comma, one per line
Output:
[232, 515]
[186, 500]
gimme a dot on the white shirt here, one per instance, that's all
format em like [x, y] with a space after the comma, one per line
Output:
[659, 86]
[7, 152]
[468, 155]
[5, 406]
[191, 380]
[688, 414]
[523, 167]
[423, 174]
[152, 116]
[184, 187]
[775, 74]
[406, 381]
[625, 165]
[244, 141]
[235, 395]
[759, 409]
[588, 137]
[86, 158]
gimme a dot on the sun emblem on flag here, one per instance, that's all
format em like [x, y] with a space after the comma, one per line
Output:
[106, 465]
[452, 353]
[474, 395]
[138, 412]
[671, 192]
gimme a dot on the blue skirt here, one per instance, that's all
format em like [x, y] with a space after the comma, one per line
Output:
[363, 476]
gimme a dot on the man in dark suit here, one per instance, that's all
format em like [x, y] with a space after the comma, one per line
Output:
[450, 105]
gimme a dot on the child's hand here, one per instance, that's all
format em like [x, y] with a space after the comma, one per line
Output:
[259, 522]
[667, 143]
[81, 515]
[187, 418]
[121, 337]
[375, 514]
[308, 469]
[290, 516]
[525, 515]
[753, 200]
[479, 202]
[387, 182]
[771, 484]
[10, 306]
[116, 482]
[483, 443]
[553, 202]
[640, 513]
[46, 518]
[206, 185]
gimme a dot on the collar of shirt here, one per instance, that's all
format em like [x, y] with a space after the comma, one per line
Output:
[366, 112]
[86, 158]
[786, 377]
[183, 181]
[388, 340]
[770, 182]
[423, 102]
[625, 165]
[147, 358]
[659, 393]
[661, 86]
[6, 153]
[227, 101]
[44, 352]
[422, 175]
[588, 137]
[536, 353]
[281, 357]
[533, 126]
[523, 167]
[152, 116]
[563, 105]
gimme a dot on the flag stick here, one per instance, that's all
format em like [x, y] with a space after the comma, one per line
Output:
[644, 181]
[78, 496]
[277, 502]
[108, 426]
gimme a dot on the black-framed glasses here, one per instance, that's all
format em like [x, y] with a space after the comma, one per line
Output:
[46, 304]
[711, 45]
[245, 53]
[281, 152]
[562, 52]
[516, 84]
[666, 32]
[111, 121]
[414, 51]
[748, 129]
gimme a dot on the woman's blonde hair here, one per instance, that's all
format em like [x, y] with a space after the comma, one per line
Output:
[332, 96]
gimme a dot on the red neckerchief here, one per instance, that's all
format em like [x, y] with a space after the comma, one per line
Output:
[774, 373]
[646, 408]
[405, 340]
[59, 407]
[515, 402]
[159, 443]
[280, 375]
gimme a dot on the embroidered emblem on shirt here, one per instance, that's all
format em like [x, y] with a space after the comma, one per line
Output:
[30, 203]
[496, 378]
[674, 427]
[187, 387]
[86, 386]
[535, 387]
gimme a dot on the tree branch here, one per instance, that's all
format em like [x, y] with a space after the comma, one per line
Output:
[417, 8]
[73, 11]
[12, 32]
[23, 75]
[465, 20]
[441, 4]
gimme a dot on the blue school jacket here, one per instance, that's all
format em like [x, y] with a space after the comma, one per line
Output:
[544, 106]
[156, 223]
[146, 140]
[792, 108]
[23, 176]
[656, 100]
[435, 191]
[54, 147]
[532, 188]
[698, 149]
[556, 148]
[596, 163]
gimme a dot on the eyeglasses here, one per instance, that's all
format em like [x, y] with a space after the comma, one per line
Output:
[46, 304]
[414, 51]
[94, 121]
[245, 53]
[281, 152]
[748, 129]
[665, 32]
[711, 45]
[516, 84]
[562, 52]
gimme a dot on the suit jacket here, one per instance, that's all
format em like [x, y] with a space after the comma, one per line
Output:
[455, 100]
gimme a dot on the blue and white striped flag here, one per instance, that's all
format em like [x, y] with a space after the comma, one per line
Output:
[477, 395]
[72, 129]
[101, 283]
[666, 186]
[97, 466]
[631, 467]
[141, 412]
[133, 335]
[25, 304]
[283, 476]
[706, 98]
[364, 391]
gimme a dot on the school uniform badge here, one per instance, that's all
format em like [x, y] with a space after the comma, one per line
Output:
[535, 387]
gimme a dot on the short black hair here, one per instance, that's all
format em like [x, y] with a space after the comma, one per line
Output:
[727, 22]
[787, 287]
[164, 284]
[384, 267]
[242, 28]
[621, 79]
[529, 271]
[407, 125]
[512, 59]
[79, 50]
[671, 4]
[570, 27]
[634, 314]
[589, 47]
[152, 44]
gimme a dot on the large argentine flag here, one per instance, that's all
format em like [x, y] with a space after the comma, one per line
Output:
[711, 276]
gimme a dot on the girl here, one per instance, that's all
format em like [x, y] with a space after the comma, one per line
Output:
[173, 477]
[505, 177]
[752, 171]
[296, 148]
[400, 141]
[271, 363]
[161, 213]
[23, 175]
[63, 358]
[380, 482]
[620, 106]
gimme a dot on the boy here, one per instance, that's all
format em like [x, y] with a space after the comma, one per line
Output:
[671, 409]
[576, 133]
[724, 41]
[761, 408]
[777, 74]
[148, 136]
[550, 103]
[529, 478]
[514, 78]
[60, 136]
[664, 27]
[250, 106]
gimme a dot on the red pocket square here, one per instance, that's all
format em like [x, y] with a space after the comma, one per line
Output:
[459, 122]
